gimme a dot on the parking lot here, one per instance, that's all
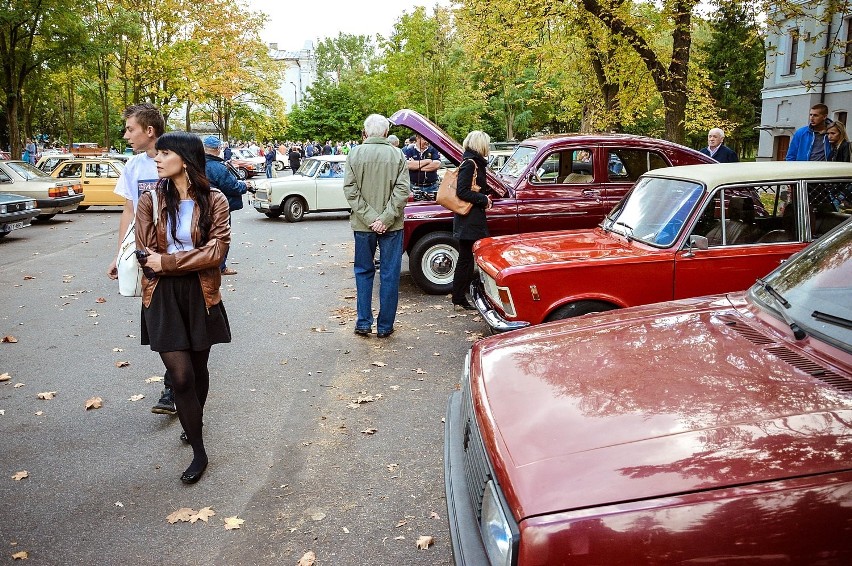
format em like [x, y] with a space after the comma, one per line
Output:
[319, 440]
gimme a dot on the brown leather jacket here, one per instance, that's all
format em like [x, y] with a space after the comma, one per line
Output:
[205, 260]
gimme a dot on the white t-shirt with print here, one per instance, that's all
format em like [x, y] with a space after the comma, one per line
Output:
[139, 175]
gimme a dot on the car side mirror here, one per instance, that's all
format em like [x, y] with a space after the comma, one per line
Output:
[696, 242]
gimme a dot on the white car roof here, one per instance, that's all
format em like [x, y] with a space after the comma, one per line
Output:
[748, 172]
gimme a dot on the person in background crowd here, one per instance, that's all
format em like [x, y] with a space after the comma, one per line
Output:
[269, 156]
[143, 125]
[31, 152]
[717, 149]
[326, 149]
[295, 158]
[220, 177]
[809, 142]
[375, 183]
[423, 162]
[393, 140]
[228, 152]
[468, 229]
[309, 149]
[838, 142]
[182, 310]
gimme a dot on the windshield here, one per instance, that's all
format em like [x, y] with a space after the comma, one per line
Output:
[516, 164]
[309, 167]
[817, 284]
[655, 210]
[26, 170]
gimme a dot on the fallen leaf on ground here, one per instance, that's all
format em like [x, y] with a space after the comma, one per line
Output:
[425, 542]
[2, 412]
[21, 475]
[392, 467]
[118, 504]
[203, 515]
[401, 523]
[183, 514]
[154, 378]
[434, 515]
[369, 431]
[94, 403]
[5, 377]
[18, 385]
[420, 371]
[118, 349]
[9, 339]
[22, 555]
[233, 523]
[38, 413]
[46, 395]
[307, 559]
[100, 300]
[122, 364]
[28, 277]
[378, 364]
[137, 397]
[442, 332]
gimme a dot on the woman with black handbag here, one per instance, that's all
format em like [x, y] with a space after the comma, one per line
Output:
[472, 187]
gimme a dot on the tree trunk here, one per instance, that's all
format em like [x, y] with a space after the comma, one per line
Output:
[187, 120]
[14, 128]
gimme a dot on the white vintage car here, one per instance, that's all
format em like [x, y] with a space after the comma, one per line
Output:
[316, 187]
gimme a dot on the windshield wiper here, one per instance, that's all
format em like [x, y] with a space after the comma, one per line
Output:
[628, 235]
[831, 319]
[783, 304]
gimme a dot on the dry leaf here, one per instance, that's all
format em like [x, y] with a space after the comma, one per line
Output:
[183, 514]
[118, 349]
[94, 403]
[233, 523]
[154, 378]
[434, 515]
[401, 523]
[5, 377]
[28, 277]
[137, 397]
[17, 385]
[379, 364]
[100, 300]
[307, 559]
[39, 413]
[21, 475]
[425, 542]
[22, 555]
[203, 515]
[9, 339]
[420, 371]
[369, 431]
[122, 364]
[2, 412]
[46, 395]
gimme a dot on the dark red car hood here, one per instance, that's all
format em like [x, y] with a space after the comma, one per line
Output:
[653, 401]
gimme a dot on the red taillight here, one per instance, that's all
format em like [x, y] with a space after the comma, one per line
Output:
[55, 192]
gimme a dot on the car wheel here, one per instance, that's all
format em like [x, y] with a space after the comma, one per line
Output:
[243, 173]
[294, 209]
[579, 308]
[44, 216]
[279, 165]
[433, 261]
[276, 214]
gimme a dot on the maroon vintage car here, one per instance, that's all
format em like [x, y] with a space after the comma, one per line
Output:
[702, 431]
[555, 182]
[681, 232]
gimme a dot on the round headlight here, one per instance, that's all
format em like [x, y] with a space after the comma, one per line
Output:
[3, 209]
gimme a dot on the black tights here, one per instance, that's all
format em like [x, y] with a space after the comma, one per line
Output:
[190, 383]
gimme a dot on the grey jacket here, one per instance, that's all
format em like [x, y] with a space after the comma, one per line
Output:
[376, 184]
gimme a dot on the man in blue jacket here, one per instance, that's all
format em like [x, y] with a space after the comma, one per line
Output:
[810, 143]
[222, 178]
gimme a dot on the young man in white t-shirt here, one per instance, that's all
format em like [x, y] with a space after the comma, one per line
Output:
[143, 124]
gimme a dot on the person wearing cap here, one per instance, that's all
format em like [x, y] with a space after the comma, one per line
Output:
[423, 162]
[222, 178]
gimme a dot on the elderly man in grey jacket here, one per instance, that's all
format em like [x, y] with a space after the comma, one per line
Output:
[376, 185]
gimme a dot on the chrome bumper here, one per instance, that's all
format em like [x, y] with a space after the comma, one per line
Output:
[496, 323]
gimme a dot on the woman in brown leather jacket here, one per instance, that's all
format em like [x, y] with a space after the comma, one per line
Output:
[182, 310]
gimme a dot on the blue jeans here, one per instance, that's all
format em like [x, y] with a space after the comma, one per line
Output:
[433, 188]
[390, 248]
[269, 167]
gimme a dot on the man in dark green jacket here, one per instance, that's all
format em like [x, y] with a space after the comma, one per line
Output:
[376, 185]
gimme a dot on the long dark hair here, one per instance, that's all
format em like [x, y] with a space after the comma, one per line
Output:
[191, 150]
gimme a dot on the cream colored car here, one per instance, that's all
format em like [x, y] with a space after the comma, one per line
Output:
[316, 187]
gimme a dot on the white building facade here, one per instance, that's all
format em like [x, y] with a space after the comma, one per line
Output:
[809, 61]
[300, 72]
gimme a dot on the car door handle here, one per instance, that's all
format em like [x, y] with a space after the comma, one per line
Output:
[592, 192]
[85, 182]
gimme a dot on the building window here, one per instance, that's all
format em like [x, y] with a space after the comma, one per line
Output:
[841, 117]
[847, 59]
[793, 51]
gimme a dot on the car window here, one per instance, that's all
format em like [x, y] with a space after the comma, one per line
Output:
[519, 161]
[26, 170]
[755, 214]
[70, 171]
[627, 164]
[4, 178]
[309, 168]
[102, 170]
[829, 205]
[566, 167]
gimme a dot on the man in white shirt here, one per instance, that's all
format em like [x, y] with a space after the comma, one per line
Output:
[143, 124]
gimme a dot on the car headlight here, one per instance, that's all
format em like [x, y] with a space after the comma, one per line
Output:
[3, 209]
[499, 536]
[31, 204]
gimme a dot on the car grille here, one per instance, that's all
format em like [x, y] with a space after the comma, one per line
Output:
[477, 470]
[16, 207]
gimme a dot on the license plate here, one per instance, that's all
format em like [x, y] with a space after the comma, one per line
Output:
[13, 226]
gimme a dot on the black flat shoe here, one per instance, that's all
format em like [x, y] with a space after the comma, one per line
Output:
[184, 438]
[385, 334]
[192, 477]
[363, 331]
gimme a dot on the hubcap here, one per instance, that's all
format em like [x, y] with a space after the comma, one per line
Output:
[439, 264]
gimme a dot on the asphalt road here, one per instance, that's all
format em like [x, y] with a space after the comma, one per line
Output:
[319, 440]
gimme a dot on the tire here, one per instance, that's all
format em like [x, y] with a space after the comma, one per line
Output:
[44, 217]
[279, 165]
[243, 173]
[276, 214]
[81, 207]
[432, 262]
[294, 209]
[579, 308]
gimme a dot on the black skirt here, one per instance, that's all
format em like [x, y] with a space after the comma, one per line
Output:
[178, 319]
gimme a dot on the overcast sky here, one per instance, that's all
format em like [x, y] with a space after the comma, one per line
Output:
[291, 23]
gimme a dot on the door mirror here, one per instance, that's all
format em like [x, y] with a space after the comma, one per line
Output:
[699, 242]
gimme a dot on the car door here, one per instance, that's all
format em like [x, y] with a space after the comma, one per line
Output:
[99, 180]
[329, 187]
[562, 191]
[748, 232]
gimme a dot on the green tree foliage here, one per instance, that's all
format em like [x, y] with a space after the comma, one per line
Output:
[329, 111]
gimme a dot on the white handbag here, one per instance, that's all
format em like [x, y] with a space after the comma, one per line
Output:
[129, 270]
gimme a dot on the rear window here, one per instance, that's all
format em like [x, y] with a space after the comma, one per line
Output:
[627, 165]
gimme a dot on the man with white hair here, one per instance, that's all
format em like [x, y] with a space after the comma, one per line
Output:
[717, 149]
[375, 182]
